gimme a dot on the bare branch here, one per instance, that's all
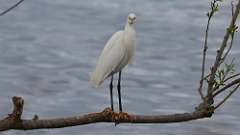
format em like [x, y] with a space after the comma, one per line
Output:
[226, 98]
[231, 77]
[220, 53]
[214, 8]
[204, 58]
[12, 7]
[232, 5]
[226, 87]
[232, 36]
[107, 115]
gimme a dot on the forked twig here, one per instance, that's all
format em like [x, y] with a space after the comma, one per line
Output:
[226, 98]
[220, 51]
[232, 36]
[226, 87]
[230, 77]
[205, 47]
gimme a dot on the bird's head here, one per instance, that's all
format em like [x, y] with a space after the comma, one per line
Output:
[131, 18]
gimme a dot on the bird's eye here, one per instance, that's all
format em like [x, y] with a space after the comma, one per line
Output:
[131, 18]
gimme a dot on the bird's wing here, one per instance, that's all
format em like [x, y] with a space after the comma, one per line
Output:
[110, 59]
[115, 60]
[116, 36]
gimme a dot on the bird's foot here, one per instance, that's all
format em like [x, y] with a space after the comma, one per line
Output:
[116, 117]
[121, 116]
[107, 112]
[124, 116]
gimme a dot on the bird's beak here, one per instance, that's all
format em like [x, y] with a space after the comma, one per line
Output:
[131, 22]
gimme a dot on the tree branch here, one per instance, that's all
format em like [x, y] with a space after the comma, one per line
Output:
[205, 47]
[236, 81]
[227, 97]
[231, 77]
[14, 121]
[220, 53]
[232, 33]
[12, 7]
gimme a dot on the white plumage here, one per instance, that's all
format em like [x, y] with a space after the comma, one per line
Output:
[117, 53]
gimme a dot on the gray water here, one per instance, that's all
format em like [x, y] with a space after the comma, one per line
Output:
[49, 47]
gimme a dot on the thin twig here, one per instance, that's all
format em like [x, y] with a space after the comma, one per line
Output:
[220, 52]
[232, 37]
[227, 86]
[205, 47]
[206, 76]
[230, 77]
[232, 8]
[229, 95]
[233, 76]
[12, 7]
[225, 74]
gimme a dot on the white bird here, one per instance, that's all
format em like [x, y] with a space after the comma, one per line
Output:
[117, 53]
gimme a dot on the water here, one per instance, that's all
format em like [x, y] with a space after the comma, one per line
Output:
[48, 49]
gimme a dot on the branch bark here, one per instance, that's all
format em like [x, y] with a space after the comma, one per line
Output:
[227, 97]
[232, 36]
[220, 53]
[231, 77]
[14, 121]
[11, 8]
[234, 82]
[205, 47]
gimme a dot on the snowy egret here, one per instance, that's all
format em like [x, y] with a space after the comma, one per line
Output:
[117, 53]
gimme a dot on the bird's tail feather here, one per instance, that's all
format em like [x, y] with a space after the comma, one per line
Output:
[95, 79]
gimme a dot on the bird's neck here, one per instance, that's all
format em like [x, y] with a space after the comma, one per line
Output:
[129, 31]
[129, 38]
[129, 27]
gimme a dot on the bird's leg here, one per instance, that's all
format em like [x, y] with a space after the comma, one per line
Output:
[121, 115]
[119, 91]
[111, 93]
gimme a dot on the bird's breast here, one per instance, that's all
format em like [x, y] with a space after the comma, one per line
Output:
[129, 43]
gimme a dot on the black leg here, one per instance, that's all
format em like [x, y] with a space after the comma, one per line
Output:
[111, 92]
[119, 91]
